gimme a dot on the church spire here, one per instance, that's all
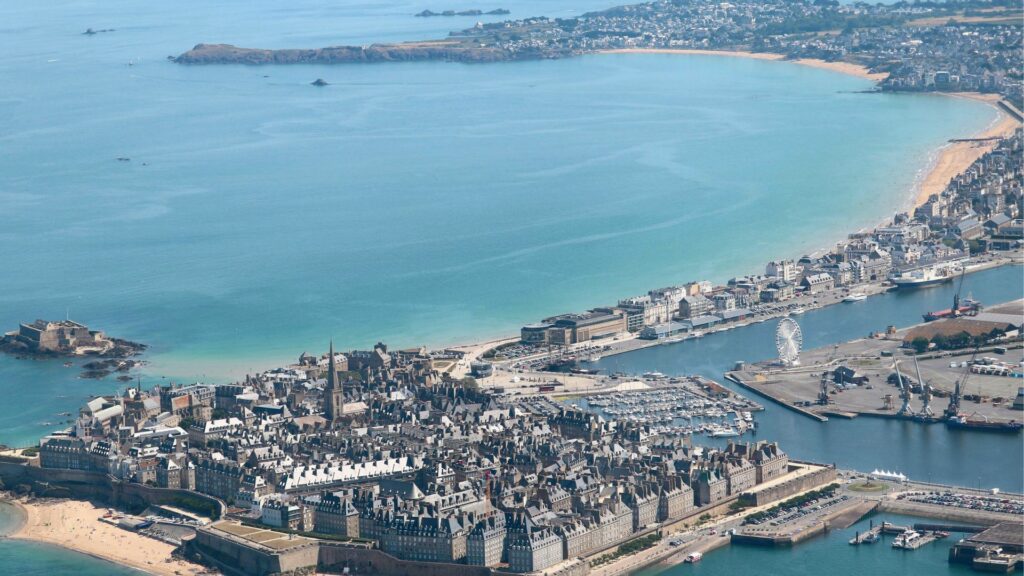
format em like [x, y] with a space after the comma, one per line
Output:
[334, 394]
[332, 372]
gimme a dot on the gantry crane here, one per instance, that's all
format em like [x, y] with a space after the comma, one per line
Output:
[926, 393]
[953, 409]
[905, 409]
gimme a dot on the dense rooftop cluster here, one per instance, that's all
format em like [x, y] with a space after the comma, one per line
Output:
[913, 43]
[377, 445]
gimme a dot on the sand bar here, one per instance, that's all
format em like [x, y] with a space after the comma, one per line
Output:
[76, 525]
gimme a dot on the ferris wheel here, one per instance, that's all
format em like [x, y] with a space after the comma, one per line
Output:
[788, 340]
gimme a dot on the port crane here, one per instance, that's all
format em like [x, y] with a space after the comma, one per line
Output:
[926, 393]
[905, 409]
[823, 389]
[953, 409]
[956, 297]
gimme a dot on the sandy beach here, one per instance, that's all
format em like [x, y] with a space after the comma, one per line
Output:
[956, 157]
[842, 67]
[76, 525]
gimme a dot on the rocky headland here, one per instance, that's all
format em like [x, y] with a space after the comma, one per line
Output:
[495, 12]
[454, 51]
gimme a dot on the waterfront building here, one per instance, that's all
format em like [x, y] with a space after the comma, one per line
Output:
[676, 499]
[817, 283]
[485, 545]
[481, 369]
[740, 475]
[709, 485]
[535, 334]
[644, 503]
[334, 513]
[770, 461]
[724, 302]
[695, 306]
[646, 311]
[841, 272]
[786, 270]
[281, 514]
[698, 288]
[171, 474]
[220, 478]
[64, 452]
[589, 326]
[666, 330]
[425, 536]
[536, 549]
[779, 291]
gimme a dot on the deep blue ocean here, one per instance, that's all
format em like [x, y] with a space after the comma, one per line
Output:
[423, 203]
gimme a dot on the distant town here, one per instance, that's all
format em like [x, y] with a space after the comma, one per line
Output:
[971, 46]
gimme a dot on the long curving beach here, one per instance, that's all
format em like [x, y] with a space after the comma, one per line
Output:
[956, 157]
[949, 161]
[76, 525]
[843, 67]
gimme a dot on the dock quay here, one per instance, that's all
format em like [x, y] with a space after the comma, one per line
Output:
[997, 549]
[915, 542]
[919, 526]
[735, 379]
[838, 515]
[875, 531]
[863, 377]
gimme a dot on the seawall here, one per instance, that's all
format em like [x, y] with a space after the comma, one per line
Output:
[102, 487]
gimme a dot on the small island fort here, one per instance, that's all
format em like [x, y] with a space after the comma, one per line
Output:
[60, 338]
[69, 339]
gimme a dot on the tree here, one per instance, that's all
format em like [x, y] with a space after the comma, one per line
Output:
[920, 344]
[469, 383]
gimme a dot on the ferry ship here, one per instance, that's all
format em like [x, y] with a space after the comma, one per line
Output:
[922, 277]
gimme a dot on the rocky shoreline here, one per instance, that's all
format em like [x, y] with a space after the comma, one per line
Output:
[474, 12]
[119, 358]
[445, 50]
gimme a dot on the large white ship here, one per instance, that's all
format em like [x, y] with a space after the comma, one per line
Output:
[927, 276]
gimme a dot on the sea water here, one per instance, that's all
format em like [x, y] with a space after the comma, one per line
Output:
[424, 203]
[415, 203]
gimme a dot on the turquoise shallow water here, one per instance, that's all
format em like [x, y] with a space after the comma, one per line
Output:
[413, 203]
